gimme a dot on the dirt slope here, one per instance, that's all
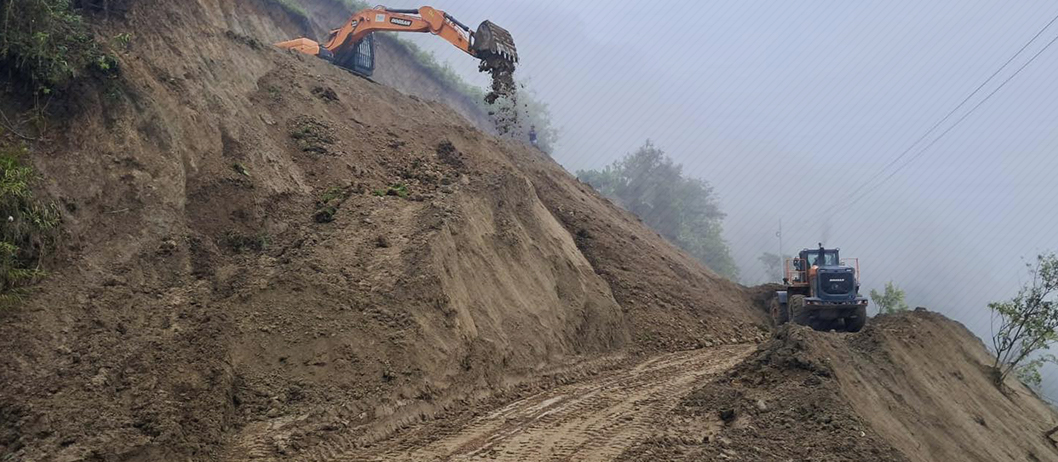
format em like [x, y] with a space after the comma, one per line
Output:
[228, 272]
[910, 387]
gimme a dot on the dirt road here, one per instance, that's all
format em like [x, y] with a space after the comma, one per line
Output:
[591, 420]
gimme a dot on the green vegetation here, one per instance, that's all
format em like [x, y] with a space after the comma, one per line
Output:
[28, 225]
[239, 241]
[773, 265]
[1027, 324]
[328, 202]
[48, 44]
[353, 5]
[332, 194]
[1029, 373]
[892, 301]
[293, 7]
[123, 39]
[683, 210]
[312, 136]
[240, 169]
[396, 189]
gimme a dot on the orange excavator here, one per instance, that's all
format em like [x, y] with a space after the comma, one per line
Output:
[352, 47]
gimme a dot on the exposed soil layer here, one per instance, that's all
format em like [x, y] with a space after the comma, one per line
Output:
[260, 246]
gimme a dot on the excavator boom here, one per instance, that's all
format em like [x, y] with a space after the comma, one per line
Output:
[492, 44]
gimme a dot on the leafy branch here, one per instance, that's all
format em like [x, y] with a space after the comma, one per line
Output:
[1028, 323]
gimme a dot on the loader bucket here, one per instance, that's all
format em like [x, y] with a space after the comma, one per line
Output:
[494, 44]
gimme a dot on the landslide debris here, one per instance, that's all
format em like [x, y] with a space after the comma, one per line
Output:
[502, 73]
[780, 404]
[227, 276]
[910, 387]
[502, 90]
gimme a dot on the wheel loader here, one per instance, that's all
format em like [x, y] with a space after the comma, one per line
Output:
[351, 46]
[821, 291]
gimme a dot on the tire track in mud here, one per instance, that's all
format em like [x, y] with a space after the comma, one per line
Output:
[591, 420]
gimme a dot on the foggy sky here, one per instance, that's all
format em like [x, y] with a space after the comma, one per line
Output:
[788, 107]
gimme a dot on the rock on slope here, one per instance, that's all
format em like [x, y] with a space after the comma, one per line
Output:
[257, 239]
[910, 387]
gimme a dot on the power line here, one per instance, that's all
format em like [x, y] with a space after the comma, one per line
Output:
[838, 205]
[952, 127]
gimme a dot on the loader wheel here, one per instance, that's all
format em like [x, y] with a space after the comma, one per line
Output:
[780, 313]
[797, 312]
[856, 322]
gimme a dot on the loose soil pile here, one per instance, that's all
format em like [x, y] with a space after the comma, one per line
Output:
[262, 250]
[910, 387]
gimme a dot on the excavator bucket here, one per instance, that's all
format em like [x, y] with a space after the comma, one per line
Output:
[494, 44]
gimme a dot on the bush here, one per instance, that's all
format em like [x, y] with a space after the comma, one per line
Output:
[891, 301]
[48, 44]
[27, 225]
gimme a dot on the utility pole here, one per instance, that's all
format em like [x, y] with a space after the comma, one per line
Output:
[782, 260]
[779, 235]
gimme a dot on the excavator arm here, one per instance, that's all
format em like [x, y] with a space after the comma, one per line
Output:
[424, 19]
[490, 43]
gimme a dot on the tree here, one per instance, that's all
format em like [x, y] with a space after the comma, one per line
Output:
[892, 301]
[773, 265]
[683, 210]
[1028, 323]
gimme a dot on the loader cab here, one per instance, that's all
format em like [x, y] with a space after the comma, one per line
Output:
[362, 60]
[828, 279]
[812, 257]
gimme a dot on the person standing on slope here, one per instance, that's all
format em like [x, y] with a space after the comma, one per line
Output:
[532, 136]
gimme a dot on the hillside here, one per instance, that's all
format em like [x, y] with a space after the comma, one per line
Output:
[264, 257]
[197, 299]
